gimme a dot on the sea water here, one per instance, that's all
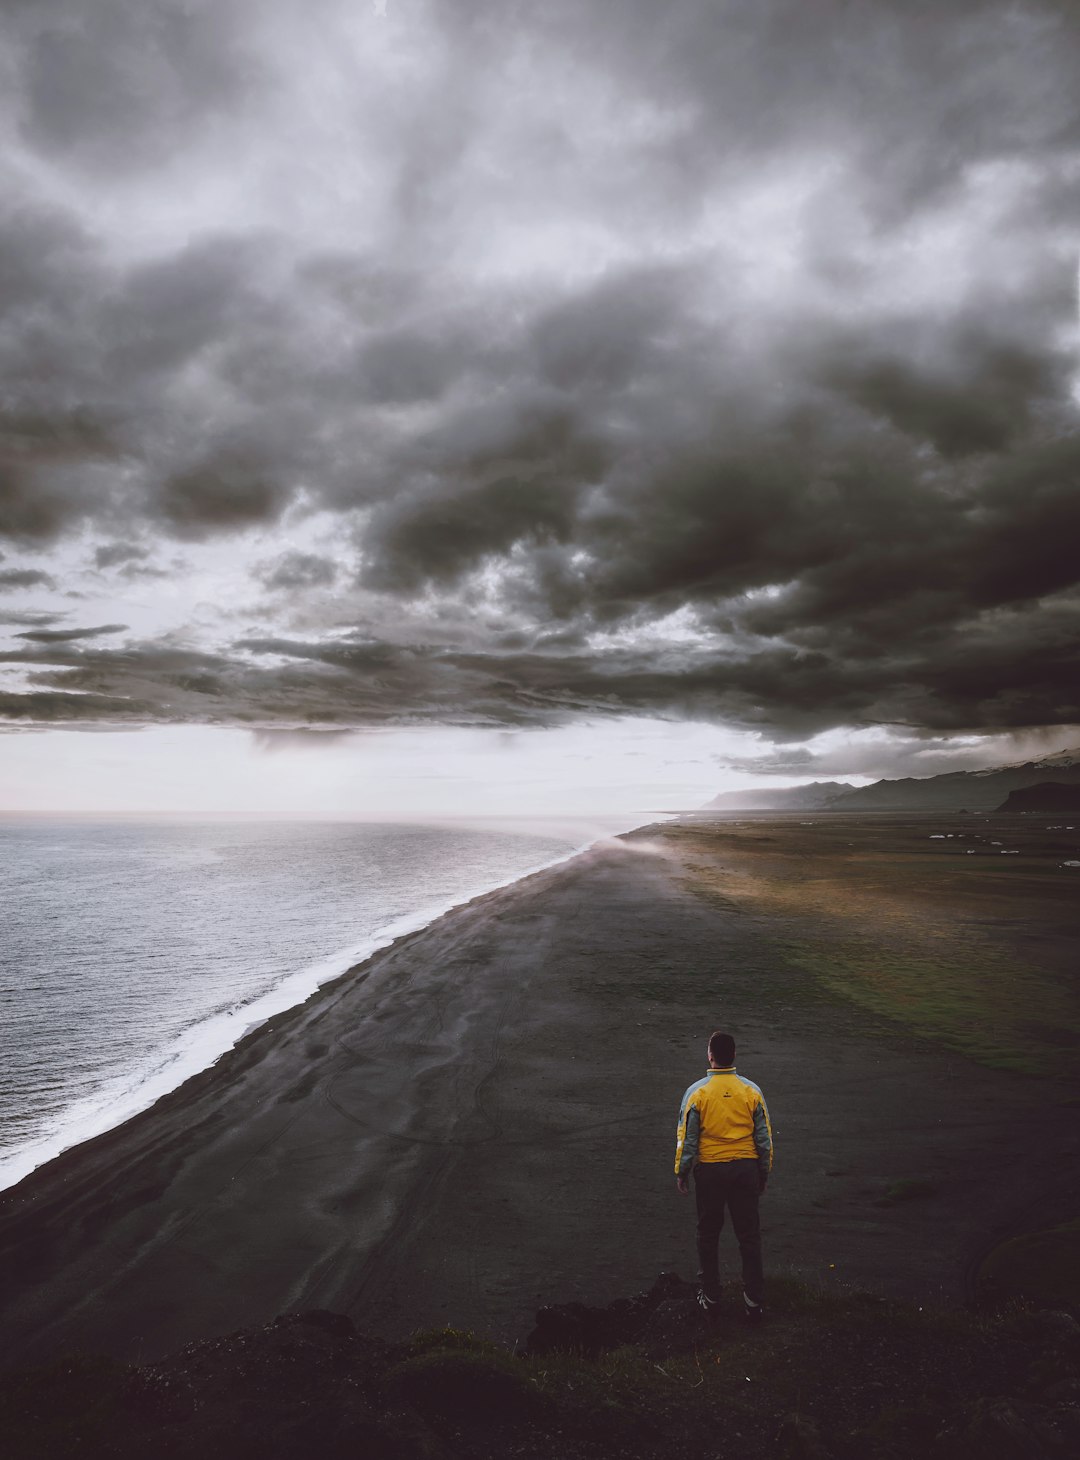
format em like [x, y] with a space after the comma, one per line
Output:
[133, 954]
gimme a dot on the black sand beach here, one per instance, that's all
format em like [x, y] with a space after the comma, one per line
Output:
[480, 1119]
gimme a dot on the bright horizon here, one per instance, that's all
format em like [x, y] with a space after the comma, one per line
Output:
[634, 768]
[637, 769]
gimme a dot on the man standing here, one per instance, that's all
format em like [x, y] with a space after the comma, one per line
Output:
[726, 1139]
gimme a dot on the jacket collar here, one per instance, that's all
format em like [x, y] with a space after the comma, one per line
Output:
[727, 1070]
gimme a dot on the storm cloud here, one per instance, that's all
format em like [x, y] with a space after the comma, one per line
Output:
[544, 362]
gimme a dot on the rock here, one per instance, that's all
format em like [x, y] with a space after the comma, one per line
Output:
[577, 1328]
[669, 1285]
[464, 1389]
[573, 1328]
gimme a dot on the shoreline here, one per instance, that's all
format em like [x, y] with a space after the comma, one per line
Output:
[479, 1120]
[191, 1053]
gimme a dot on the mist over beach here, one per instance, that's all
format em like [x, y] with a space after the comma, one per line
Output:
[531, 535]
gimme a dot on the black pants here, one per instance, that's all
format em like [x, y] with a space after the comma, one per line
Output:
[731, 1184]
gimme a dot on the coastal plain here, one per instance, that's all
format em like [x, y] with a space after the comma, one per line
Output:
[480, 1119]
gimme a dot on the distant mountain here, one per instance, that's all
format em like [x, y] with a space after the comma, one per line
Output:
[780, 798]
[963, 790]
[1049, 796]
[984, 790]
[1063, 760]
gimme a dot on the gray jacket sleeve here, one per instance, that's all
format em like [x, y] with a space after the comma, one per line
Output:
[763, 1142]
[690, 1134]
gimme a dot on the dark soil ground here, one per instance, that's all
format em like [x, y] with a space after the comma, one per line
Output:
[480, 1120]
[826, 1377]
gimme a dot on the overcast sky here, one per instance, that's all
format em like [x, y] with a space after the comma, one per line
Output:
[687, 390]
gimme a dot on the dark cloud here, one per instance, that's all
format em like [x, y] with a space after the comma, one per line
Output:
[26, 512]
[112, 553]
[163, 315]
[978, 398]
[47, 708]
[165, 682]
[402, 367]
[63, 636]
[134, 571]
[219, 494]
[782, 693]
[505, 484]
[699, 360]
[122, 84]
[30, 620]
[56, 425]
[13, 578]
[297, 570]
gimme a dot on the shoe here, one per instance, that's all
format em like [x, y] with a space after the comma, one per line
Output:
[752, 1313]
[709, 1306]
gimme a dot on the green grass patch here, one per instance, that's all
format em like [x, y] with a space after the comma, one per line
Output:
[977, 1008]
[867, 929]
[460, 1389]
[448, 1338]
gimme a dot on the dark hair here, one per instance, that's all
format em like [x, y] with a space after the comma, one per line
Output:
[721, 1049]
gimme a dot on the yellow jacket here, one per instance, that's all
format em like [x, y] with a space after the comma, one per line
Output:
[723, 1118]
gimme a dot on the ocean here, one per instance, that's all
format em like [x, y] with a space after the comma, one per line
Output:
[134, 953]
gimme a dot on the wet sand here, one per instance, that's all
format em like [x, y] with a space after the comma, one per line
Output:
[480, 1119]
